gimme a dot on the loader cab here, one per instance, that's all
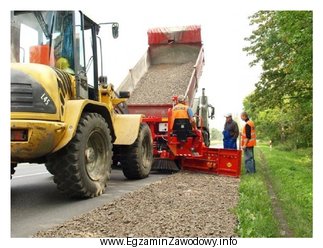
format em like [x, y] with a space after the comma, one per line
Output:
[43, 37]
[66, 40]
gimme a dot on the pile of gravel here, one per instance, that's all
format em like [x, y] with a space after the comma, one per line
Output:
[161, 82]
[181, 205]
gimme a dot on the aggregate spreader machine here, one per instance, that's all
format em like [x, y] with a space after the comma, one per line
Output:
[179, 146]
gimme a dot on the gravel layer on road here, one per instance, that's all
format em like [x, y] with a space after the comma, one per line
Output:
[182, 205]
[161, 82]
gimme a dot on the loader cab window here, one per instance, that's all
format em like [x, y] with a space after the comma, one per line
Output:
[79, 42]
[90, 58]
[23, 49]
[92, 53]
[88, 43]
[43, 37]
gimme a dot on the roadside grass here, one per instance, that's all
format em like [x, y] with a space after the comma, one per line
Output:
[291, 176]
[254, 211]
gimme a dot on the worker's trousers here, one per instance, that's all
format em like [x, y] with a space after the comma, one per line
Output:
[249, 160]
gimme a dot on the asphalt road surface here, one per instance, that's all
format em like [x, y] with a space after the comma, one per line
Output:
[37, 205]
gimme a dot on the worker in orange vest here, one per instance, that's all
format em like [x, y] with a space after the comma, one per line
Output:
[248, 142]
[182, 111]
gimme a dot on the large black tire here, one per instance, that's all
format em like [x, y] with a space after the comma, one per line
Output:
[136, 159]
[50, 168]
[83, 167]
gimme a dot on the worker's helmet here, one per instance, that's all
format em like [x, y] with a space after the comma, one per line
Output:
[181, 99]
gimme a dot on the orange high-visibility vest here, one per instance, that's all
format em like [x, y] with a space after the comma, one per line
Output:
[252, 141]
[179, 112]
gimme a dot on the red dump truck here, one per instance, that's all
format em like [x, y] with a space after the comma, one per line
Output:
[172, 66]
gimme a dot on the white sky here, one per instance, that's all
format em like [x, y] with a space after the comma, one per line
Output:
[226, 73]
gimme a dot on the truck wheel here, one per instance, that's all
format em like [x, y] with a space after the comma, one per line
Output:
[136, 160]
[82, 168]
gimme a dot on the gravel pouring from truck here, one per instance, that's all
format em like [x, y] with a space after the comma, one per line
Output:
[172, 65]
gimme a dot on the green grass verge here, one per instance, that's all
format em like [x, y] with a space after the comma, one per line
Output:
[291, 175]
[292, 178]
[254, 209]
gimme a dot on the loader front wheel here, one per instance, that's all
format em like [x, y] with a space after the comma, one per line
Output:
[50, 168]
[136, 159]
[82, 168]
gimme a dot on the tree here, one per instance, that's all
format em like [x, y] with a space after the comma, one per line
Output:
[282, 100]
[216, 134]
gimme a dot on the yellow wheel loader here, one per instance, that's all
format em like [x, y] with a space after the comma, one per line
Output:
[63, 112]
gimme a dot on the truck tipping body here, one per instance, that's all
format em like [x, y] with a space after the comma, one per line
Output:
[172, 65]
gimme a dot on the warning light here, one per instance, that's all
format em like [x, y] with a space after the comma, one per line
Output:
[19, 134]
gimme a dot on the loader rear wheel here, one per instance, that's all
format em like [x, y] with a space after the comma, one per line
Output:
[136, 160]
[83, 167]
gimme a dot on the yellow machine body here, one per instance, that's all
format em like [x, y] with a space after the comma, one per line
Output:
[49, 132]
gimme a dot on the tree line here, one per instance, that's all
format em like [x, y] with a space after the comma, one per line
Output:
[282, 103]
